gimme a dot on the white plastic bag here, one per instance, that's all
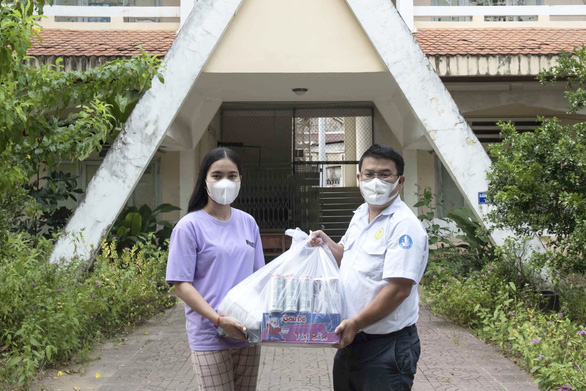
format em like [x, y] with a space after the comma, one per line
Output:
[297, 298]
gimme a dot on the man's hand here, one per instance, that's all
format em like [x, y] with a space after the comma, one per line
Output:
[347, 330]
[233, 328]
[317, 238]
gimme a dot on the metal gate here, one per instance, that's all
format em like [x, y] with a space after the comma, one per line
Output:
[312, 185]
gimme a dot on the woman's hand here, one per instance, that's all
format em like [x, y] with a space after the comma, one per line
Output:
[233, 328]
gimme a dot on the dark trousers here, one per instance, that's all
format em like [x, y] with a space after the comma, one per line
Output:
[377, 362]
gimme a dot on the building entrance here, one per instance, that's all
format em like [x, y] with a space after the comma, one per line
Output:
[300, 163]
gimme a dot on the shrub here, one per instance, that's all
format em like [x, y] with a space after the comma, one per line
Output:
[459, 296]
[460, 252]
[550, 345]
[46, 213]
[48, 314]
[135, 225]
[537, 181]
[49, 115]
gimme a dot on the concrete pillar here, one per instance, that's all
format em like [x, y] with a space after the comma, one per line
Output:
[188, 168]
[410, 185]
[321, 127]
[363, 135]
[349, 171]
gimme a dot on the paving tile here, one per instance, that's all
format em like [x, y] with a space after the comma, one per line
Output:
[452, 360]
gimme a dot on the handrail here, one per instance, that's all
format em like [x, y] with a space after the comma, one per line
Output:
[513, 10]
[114, 11]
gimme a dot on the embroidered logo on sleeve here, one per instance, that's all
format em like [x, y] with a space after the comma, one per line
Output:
[379, 233]
[405, 242]
[250, 244]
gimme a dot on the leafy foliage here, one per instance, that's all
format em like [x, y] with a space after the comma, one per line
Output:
[47, 315]
[538, 184]
[571, 68]
[550, 345]
[49, 115]
[137, 225]
[437, 232]
[47, 214]
[476, 239]
[466, 250]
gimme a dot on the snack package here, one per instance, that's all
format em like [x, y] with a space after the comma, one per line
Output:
[295, 299]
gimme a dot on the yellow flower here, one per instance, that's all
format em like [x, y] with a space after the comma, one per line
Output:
[146, 333]
[76, 388]
[98, 375]
[60, 373]
[36, 29]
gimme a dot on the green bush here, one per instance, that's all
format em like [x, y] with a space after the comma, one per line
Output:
[550, 345]
[537, 181]
[51, 311]
[46, 213]
[460, 252]
[135, 225]
[49, 115]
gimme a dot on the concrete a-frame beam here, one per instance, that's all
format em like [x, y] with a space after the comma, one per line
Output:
[144, 131]
[446, 130]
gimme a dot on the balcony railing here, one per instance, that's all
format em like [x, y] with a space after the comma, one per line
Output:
[100, 17]
[492, 16]
[414, 16]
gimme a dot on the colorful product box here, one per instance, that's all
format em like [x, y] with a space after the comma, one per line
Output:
[300, 328]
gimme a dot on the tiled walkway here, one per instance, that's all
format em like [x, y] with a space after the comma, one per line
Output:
[156, 357]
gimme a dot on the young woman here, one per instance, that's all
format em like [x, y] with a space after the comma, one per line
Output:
[212, 249]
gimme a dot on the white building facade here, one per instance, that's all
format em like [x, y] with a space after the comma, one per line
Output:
[431, 80]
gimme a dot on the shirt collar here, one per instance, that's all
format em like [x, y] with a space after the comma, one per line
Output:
[394, 207]
[389, 210]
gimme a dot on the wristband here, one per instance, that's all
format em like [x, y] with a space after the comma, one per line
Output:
[218, 321]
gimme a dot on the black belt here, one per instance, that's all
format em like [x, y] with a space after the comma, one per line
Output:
[365, 337]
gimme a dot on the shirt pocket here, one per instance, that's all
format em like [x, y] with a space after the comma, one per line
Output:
[373, 259]
[349, 244]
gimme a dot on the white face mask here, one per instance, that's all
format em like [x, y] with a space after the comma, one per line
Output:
[377, 192]
[223, 192]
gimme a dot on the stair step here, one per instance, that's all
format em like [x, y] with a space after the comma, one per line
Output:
[336, 226]
[339, 189]
[335, 219]
[348, 206]
[340, 212]
[353, 201]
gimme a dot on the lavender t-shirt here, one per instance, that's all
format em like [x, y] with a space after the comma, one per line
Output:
[214, 256]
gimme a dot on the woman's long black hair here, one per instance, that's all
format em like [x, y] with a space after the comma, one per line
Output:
[199, 198]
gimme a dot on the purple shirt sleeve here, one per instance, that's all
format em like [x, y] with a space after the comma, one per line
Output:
[182, 254]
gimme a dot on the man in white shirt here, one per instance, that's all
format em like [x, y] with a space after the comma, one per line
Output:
[382, 258]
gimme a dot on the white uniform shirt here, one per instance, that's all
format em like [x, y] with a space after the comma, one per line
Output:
[393, 245]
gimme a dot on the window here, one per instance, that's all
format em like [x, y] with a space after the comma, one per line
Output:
[447, 193]
[147, 191]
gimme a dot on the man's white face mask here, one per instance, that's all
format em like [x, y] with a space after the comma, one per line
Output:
[377, 192]
[224, 192]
